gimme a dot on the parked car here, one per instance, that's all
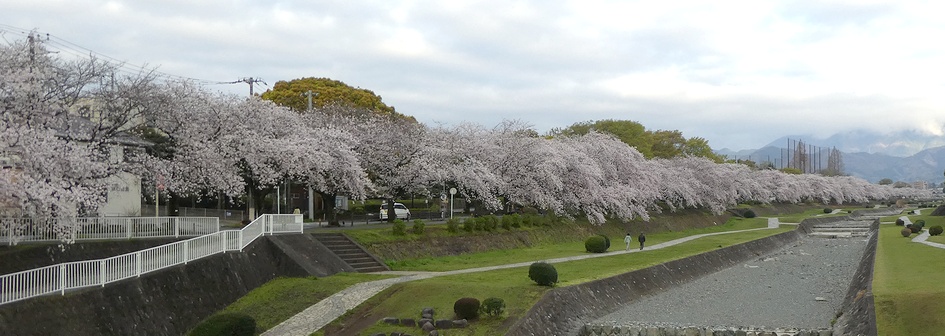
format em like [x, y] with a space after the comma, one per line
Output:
[400, 211]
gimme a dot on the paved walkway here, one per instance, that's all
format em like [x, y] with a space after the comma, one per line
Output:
[921, 238]
[320, 314]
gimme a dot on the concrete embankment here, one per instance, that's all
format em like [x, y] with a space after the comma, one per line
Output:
[167, 302]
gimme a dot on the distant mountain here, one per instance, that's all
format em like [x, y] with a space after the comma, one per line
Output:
[901, 144]
[926, 165]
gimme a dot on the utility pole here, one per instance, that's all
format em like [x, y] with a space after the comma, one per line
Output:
[311, 193]
[250, 203]
[251, 81]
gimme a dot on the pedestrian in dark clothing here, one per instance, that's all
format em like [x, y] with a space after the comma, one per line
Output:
[641, 238]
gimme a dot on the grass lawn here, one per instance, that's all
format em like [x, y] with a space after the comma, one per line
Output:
[908, 285]
[551, 251]
[513, 286]
[813, 213]
[282, 298]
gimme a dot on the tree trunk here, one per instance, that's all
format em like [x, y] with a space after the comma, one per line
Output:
[328, 204]
[391, 213]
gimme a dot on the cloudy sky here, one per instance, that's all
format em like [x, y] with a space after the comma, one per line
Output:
[738, 73]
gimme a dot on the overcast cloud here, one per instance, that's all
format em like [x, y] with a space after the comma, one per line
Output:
[738, 73]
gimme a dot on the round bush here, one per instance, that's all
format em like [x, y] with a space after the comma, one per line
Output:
[828, 210]
[452, 225]
[466, 308]
[399, 228]
[900, 222]
[595, 244]
[607, 240]
[914, 228]
[543, 274]
[920, 222]
[492, 306]
[935, 230]
[906, 232]
[749, 214]
[418, 226]
[235, 324]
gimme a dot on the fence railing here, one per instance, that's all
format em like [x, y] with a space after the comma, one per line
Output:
[147, 210]
[25, 230]
[62, 277]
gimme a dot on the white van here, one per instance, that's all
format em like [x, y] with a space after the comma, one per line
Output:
[400, 211]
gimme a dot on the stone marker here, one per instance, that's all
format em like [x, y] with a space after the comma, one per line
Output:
[444, 324]
[428, 327]
[391, 320]
[460, 323]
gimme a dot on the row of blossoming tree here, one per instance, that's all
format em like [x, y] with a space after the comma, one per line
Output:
[210, 143]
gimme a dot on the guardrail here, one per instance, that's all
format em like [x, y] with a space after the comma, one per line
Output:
[62, 277]
[26, 230]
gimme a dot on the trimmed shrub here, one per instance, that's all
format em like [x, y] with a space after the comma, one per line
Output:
[492, 307]
[235, 324]
[749, 214]
[528, 220]
[606, 239]
[469, 224]
[828, 210]
[906, 232]
[516, 220]
[595, 244]
[399, 228]
[452, 225]
[917, 226]
[900, 222]
[542, 273]
[466, 308]
[507, 222]
[935, 230]
[491, 223]
[920, 222]
[418, 226]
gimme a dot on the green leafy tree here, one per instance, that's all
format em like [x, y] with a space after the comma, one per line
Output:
[885, 181]
[328, 92]
[630, 132]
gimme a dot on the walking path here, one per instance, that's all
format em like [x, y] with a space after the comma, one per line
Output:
[921, 238]
[320, 314]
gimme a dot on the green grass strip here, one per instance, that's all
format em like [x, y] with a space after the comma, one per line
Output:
[282, 298]
[907, 285]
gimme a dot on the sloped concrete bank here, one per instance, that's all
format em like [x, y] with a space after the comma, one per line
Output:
[168, 302]
[563, 311]
[858, 315]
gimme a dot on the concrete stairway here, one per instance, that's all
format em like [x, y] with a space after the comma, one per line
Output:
[843, 229]
[350, 253]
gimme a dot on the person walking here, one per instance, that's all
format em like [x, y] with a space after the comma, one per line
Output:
[641, 238]
[628, 239]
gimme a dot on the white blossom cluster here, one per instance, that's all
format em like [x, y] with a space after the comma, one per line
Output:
[226, 144]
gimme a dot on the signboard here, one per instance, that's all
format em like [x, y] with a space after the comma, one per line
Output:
[341, 202]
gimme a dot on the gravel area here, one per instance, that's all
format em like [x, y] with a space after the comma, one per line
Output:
[800, 286]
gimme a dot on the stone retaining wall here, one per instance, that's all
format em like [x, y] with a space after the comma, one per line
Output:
[562, 311]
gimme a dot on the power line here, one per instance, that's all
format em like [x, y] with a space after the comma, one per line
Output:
[67, 47]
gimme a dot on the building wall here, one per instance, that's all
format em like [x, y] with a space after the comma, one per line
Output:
[124, 196]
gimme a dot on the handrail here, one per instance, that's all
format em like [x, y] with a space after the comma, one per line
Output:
[26, 230]
[71, 275]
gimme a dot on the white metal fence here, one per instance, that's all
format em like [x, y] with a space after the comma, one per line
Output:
[62, 277]
[20, 230]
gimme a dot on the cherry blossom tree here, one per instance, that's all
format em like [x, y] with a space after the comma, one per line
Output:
[63, 129]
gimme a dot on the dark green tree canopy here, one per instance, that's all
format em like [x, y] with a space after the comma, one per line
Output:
[329, 93]
[658, 144]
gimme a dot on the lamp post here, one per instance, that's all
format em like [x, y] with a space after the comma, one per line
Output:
[452, 192]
